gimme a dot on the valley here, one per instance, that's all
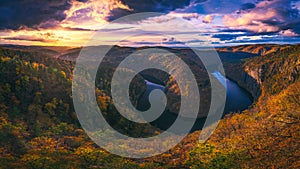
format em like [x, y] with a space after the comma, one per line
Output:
[39, 127]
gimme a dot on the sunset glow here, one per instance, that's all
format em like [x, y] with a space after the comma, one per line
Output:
[72, 23]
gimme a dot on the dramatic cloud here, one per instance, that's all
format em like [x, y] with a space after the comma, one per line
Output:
[45, 14]
[136, 6]
[215, 6]
[91, 14]
[247, 6]
[172, 41]
[208, 19]
[57, 37]
[288, 33]
[220, 22]
[187, 16]
[27, 38]
[267, 16]
[31, 13]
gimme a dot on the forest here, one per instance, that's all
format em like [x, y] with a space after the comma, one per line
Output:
[39, 128]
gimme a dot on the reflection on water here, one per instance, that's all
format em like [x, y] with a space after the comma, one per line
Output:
[237, 100]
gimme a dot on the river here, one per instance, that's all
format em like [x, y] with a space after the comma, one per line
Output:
[237, 99]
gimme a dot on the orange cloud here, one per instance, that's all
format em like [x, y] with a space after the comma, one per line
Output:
[82, 20]
[208, 19]
[267, 16]
[91, 14]
[288, 33]
[254, 20]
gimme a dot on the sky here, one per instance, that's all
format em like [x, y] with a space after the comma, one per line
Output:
[177, 22]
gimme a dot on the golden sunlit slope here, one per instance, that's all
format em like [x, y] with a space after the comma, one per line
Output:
[52, 51]
[259, 49]
[267, 135]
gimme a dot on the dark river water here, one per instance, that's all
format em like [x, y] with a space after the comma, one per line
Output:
[237, 100]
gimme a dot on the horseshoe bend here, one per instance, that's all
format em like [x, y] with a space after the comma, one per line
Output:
[37, 109]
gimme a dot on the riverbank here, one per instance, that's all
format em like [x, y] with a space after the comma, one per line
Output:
[238, 99]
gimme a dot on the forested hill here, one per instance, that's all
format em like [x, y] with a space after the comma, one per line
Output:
[267, 135]
[39, 128]
[254, 49]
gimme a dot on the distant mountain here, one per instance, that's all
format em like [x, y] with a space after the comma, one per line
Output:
[47, 50]
[71, 53]
[259, 49]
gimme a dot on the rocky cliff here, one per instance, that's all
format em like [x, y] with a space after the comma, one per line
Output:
[248, 79]
[273, 71]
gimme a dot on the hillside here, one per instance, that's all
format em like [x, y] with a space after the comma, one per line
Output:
[39, 128]
[267, 135]
[258, 49]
